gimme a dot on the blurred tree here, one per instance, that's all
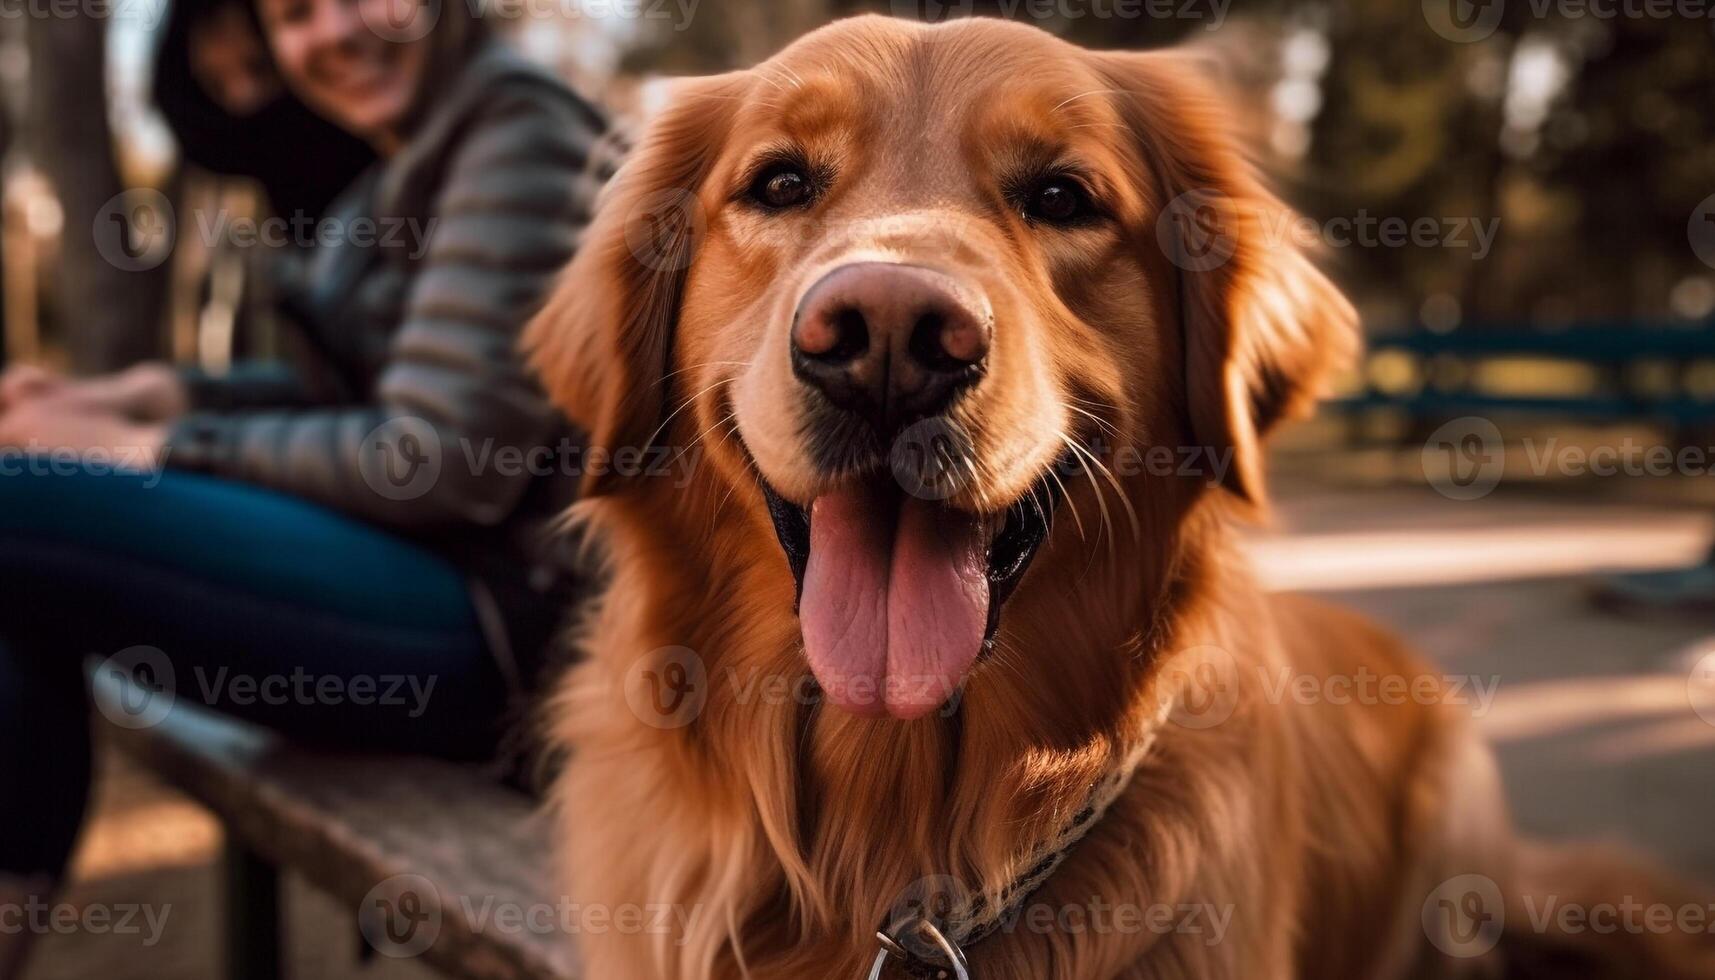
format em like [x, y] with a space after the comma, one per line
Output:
[1583, 142]
[107, 317]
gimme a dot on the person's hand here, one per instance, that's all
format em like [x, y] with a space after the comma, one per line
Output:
[22, 382]
[150, 392]
[47, 427]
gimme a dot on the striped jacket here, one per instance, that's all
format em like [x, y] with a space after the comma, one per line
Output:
[420, 415]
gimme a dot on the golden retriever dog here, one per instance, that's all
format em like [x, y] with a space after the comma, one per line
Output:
[944, 661]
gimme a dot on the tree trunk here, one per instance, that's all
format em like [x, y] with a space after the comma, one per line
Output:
[108, 315]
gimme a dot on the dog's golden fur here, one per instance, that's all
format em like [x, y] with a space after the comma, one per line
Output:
[782, 832]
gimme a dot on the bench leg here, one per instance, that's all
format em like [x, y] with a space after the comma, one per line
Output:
[252, 915]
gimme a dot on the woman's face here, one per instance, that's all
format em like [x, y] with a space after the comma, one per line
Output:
[357, 62]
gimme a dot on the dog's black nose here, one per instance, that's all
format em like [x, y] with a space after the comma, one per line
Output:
[891, 342]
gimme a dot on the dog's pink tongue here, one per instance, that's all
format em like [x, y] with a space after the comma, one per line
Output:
[894, 604]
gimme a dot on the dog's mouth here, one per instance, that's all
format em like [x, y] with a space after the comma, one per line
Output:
[898, 595]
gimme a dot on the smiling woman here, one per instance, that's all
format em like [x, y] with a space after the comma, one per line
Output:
[345, 519]
[363, 63]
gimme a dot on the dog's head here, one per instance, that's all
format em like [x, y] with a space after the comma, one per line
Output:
[925, 285]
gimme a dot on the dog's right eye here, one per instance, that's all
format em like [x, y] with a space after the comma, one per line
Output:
[782, 187]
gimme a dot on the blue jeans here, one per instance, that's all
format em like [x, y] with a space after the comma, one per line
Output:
[260, 605]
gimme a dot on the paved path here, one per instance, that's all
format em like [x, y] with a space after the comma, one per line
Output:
[1601, 727]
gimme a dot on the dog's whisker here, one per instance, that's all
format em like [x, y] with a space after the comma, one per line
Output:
[687, 403]
[1093, 417]
[698, 367]
[1101, 497]
[1119, 491]
[1066, 495]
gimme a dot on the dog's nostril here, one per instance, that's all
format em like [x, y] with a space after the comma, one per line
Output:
[947, 344]
[927, 345]
[851, 335]
[832, 339]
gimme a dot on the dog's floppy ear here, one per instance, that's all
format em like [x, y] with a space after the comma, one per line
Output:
[602, 342]
[1264, 329]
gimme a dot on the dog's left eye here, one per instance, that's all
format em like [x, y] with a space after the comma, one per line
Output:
[782, 187]
[1058, 201]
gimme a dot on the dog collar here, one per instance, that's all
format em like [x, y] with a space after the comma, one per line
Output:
[931, 946]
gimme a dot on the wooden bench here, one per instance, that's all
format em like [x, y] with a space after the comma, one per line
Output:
[430, 856]
[1611, 349]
